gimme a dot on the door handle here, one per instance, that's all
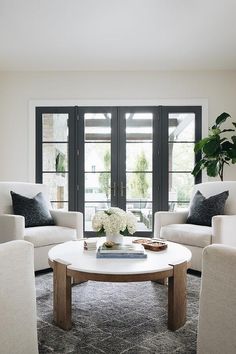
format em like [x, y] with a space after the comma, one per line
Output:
[113, 189]
[122, 189]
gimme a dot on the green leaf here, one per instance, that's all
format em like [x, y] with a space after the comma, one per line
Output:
[234, 124]
[212, 168]
[199, 145]
[232, 153]
[227, 130]
[101, 232]
[198, 167]
[222, 118]
[214, 131]
[226, 146]
[211, 147]
[223, 139]
[234, 139]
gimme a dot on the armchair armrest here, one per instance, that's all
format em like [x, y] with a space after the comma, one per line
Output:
[223, 229]
[163, 218]
[73, 219]
[217, 315]
[11, 227]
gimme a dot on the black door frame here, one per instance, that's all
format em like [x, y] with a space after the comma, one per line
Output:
[39, 111]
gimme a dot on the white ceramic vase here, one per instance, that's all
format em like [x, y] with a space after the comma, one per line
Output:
[117, 238]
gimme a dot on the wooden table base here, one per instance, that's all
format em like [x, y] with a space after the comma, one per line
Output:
[177, 297]
[62, 291]
[61, 295]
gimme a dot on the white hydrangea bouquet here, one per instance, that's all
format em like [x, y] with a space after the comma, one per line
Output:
[114, 221]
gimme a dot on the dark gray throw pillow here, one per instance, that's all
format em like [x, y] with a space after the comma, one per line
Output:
[34, 210]
[203, 209]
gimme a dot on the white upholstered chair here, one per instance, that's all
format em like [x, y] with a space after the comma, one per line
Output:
[217, 315]
[172, 225]
[18, 324]
[68, 225]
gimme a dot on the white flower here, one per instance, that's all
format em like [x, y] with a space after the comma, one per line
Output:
[112, 224]
[131, 222]
[98, 220]
[113, 221]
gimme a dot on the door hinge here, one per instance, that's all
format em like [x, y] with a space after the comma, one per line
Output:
[77, 152]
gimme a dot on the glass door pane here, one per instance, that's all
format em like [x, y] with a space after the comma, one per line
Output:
[138, 167]
[97, 164]
[181, 158]
[55, 157]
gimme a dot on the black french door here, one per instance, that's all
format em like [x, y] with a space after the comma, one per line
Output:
[137, 158]
[116, 167]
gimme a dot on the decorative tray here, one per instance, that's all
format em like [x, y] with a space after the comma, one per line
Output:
[152, 244]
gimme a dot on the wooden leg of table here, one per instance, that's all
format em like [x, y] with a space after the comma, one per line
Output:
[177, 297]
[163, 281]
[61, 295]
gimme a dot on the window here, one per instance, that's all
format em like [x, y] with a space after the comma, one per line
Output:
[182, 132]
[137, 158]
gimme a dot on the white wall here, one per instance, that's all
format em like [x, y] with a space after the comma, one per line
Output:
[19, 91]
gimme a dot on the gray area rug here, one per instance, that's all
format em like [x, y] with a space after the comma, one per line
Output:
[127, 318]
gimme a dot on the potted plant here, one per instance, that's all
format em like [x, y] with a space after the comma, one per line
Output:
[217, 149]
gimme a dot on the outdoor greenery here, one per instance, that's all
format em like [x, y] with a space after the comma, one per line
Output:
[139, 183]
[217, 149]
[60, 163]
[182, 159]
[104, 178]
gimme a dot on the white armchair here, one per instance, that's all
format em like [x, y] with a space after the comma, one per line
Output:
[217, 315]
[172, 225]
[68, 225]
[18, 326]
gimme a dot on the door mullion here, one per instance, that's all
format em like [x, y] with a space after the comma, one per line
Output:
[121, 154]
[114, 158]
[79, 160]
[156, 159]
[163, 159]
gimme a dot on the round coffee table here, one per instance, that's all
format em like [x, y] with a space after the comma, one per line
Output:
[72, 264]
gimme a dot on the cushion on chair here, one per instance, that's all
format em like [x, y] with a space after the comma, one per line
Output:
[34, 210]
[203, 209]
[49, 235]
[187, 234]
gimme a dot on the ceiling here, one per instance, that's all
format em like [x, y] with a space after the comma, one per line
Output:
[117, 35]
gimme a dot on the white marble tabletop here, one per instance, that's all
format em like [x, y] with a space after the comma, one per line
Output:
[79, 259]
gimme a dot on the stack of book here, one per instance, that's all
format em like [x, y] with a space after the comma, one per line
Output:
[90, 245]
[122, 251]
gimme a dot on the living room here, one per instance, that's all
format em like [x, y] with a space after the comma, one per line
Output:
[126, 61]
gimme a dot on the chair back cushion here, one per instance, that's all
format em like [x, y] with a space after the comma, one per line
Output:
[18, 333]
[212, 188]
[26, 189]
